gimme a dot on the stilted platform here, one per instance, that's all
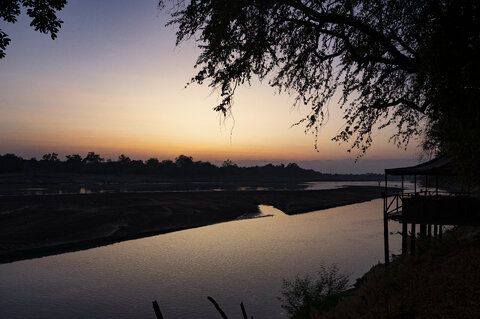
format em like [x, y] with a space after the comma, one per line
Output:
[430, 209]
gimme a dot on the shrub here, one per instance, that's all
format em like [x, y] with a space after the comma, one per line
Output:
[321, 292]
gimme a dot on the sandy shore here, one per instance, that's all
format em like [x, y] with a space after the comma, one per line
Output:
[36, 226]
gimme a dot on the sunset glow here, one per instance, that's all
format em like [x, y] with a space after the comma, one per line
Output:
[113, 82]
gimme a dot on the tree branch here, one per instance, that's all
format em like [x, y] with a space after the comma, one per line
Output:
[217, 306]
[379, 104]
[404, 44]
[363, 58]
[324, 17]
[348, 46]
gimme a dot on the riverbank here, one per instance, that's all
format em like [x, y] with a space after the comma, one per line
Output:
[36, 226]
[442, 281]
[43, 183]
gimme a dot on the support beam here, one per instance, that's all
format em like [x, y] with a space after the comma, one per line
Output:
[385, 232]
[402, 184]
[423, 230]
[412, 240]
[404, 238]
[386, 186]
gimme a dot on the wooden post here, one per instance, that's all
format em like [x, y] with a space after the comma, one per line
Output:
[386, 181]
[423, 230]
[402, 184]
[385, 232]
[404, 229]
[404, 237]
[156, 308]
[429, 230]
[385, 225]
[220, 311]
[412, 240]
[385, 239]
[435, 230]
[426, 185]
[440, 231]
[396, 203]
[244, 312]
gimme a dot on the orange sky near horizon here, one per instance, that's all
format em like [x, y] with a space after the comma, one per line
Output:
[113, 82]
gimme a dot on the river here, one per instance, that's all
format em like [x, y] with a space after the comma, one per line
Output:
[243, 260]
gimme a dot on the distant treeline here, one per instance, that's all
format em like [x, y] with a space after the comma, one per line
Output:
[182, 167]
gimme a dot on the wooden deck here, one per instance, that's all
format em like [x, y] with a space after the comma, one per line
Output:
[442, 210]
[430, 211]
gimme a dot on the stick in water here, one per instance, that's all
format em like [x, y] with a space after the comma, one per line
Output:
[244, 312]
[156, 308]
[224, 316]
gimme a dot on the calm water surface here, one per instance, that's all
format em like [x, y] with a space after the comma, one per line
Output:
[243, 260]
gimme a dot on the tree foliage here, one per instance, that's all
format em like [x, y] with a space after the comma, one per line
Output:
[43, 14]
[184, 168]
[93, 158]
[50, 157]
[411, 64]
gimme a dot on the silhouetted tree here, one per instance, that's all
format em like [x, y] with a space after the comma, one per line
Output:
[49, 161]
[410, 64]
[152, 162]
[183, 161]
[10, 163]
[184, 169]
[293, 166]
[168, 168]
[92, 158]
[74, 158]
[50, 157]
[73, 162]
[136, 166]
[124, 160]
[229, 163]
[43, 14]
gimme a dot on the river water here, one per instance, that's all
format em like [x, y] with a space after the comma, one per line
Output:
[243, 260]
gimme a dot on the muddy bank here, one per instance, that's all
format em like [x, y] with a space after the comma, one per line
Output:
[35, 226]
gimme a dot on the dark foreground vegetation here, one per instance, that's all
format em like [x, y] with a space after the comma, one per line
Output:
[441, 281]
[182, 168]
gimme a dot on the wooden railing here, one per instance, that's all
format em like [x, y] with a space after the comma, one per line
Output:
[393, 204]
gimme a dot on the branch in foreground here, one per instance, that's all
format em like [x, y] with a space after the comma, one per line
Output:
[156, 308]
[224, 316]
[158, 313]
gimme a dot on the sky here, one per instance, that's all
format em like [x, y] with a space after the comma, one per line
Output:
[113, 82]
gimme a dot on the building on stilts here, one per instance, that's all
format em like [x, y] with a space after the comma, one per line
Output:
[426, 209]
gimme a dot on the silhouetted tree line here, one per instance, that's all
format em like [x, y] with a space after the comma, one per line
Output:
[183, 167]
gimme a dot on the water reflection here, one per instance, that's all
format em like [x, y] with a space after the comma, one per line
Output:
[244, 260]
